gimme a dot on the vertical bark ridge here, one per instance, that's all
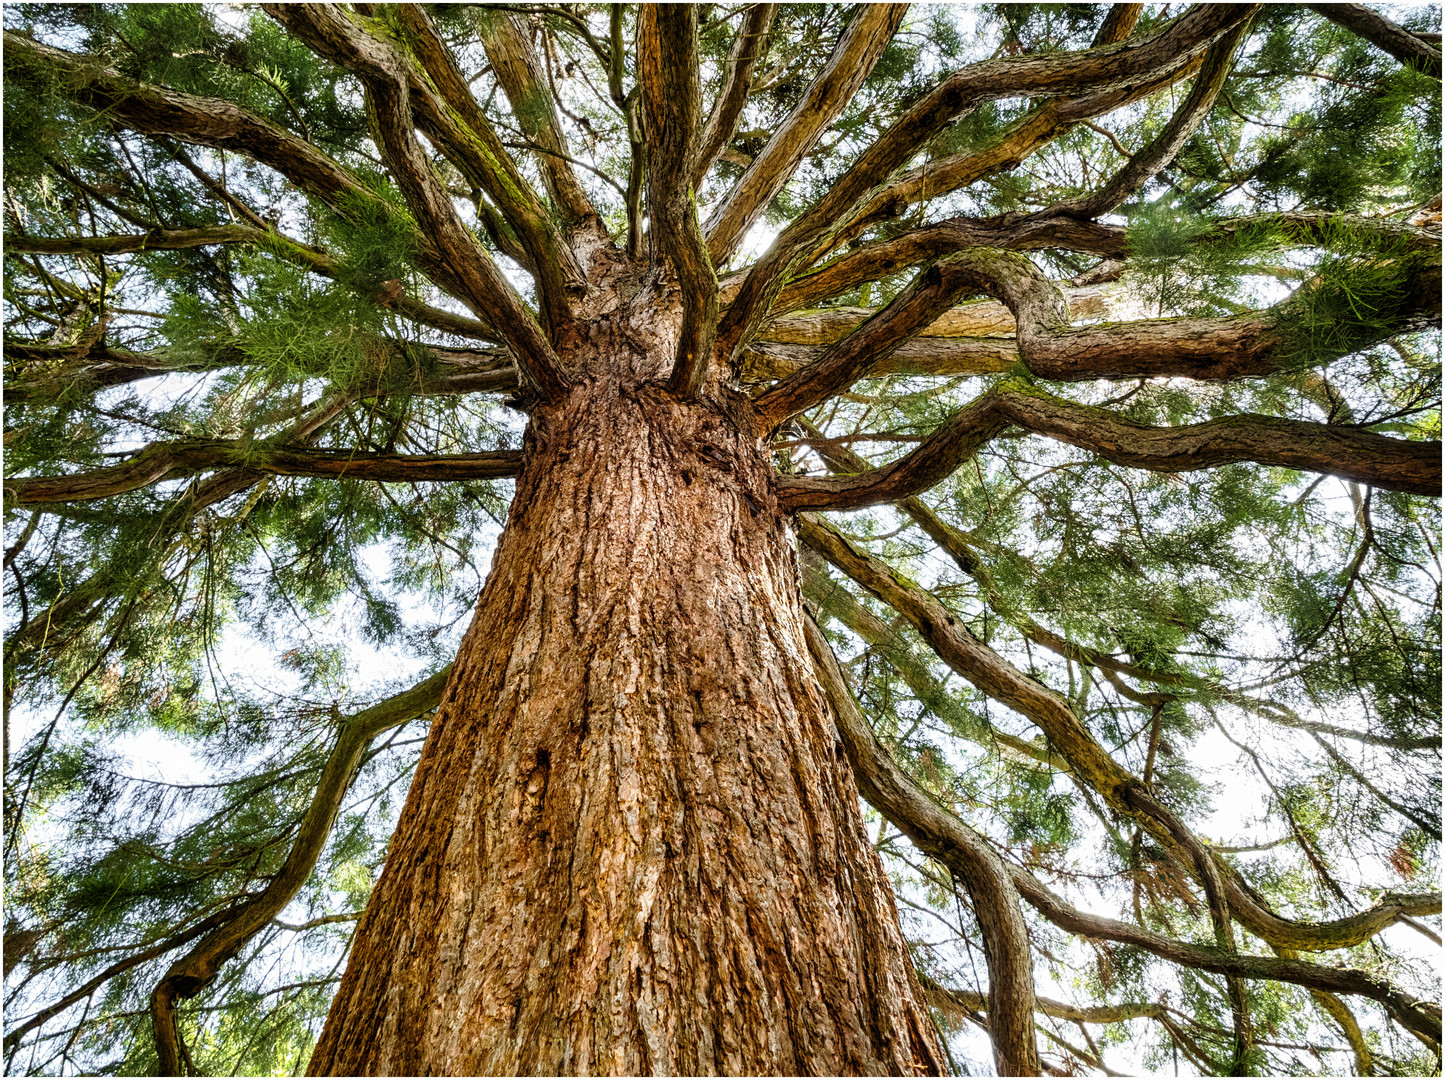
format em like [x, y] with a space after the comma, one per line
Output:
[633, 843]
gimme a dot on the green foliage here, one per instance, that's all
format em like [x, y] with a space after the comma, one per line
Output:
[1180, 263]
[224, 622]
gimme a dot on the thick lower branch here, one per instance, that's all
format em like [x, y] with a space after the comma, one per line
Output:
[1091, 766]
[44, 373]
[1349, 452]
[194, 971]
[970, 856]
[945, 837]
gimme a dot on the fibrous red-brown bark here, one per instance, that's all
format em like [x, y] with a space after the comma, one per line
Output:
[633, 842]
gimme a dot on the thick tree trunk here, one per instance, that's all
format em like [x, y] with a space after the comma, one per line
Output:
[633, 842]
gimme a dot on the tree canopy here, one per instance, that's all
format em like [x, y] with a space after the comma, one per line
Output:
[1098, 350]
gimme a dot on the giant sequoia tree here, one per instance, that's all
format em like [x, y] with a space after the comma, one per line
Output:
[1024, 418]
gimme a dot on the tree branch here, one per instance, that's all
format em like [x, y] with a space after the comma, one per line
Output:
[1349, 452]
[334, 35]
[1384, 34]
[858, 49]
[1092, 767]
[930, 294]
[517, 68]
[970, 856]
[170, 461]
[194, 971]
[722, 123]
[671, 103]
[203, 121]
[832, 600]
[844, 210]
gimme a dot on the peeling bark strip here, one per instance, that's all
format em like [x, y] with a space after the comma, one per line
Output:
[631, 844]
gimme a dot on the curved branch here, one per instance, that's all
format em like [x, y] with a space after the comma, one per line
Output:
[1417, 1015]
[1349, 452]
[1091, 765]
[1384, 34]
[930, 294]
[90, 986]
[960, 437]
[1112, 74]
[384, 72]
[1254, 344]
[1338, 450]
[945, 837]
[970, 856]
[170, 461]
[194, 971]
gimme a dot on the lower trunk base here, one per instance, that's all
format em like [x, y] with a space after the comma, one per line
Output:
[633, 844]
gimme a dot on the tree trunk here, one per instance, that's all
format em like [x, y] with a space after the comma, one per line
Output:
[633, 843]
